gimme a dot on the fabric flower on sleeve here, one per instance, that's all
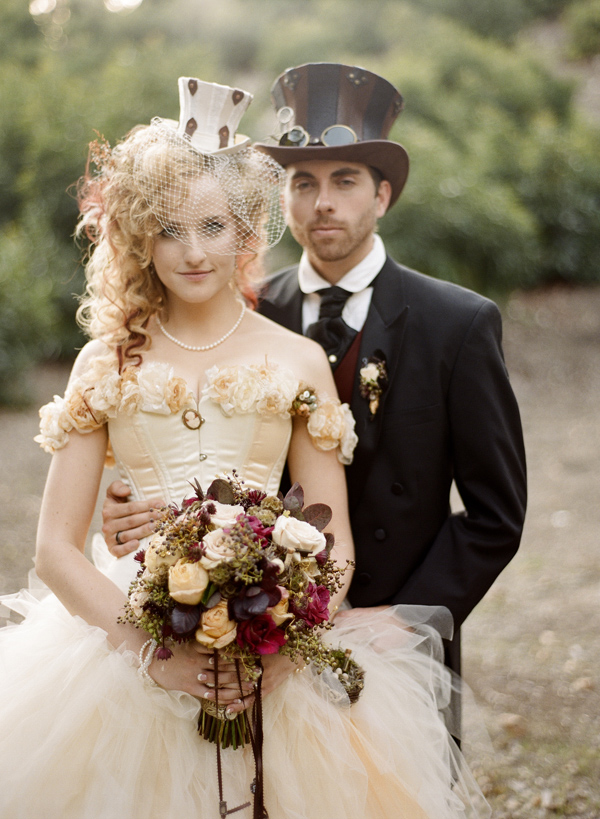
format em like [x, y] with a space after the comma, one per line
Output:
[331, 426]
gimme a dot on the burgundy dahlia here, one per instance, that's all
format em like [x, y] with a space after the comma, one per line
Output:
[313, 607]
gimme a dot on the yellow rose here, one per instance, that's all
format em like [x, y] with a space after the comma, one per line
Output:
[187, 582]
[159, 556]
[280, 613]
[216, 629]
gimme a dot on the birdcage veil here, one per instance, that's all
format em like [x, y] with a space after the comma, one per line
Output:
[229, 201]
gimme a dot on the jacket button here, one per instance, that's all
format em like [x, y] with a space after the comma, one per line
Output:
[397, 488]
[380, 534]
[364, 578]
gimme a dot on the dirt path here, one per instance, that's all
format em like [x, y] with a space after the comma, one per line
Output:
[532, 647]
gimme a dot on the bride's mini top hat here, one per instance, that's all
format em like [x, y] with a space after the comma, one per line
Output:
[209, 115]
[340, 112]
[234, 181]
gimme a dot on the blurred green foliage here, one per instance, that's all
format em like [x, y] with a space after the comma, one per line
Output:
[504, 185]
[582, 21]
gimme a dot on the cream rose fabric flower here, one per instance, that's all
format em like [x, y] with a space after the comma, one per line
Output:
[153, 378]
[349, 437]
[177, 394]
[216, 629]
[131, 397]
[267, 389]
[105, 396]
[331, 425]
[159, 555]
[219, 387]
[187, 582]
[217, 549]
[54, 426]
[225, 514]
[82, 415]
[278, 393]
[293, 534]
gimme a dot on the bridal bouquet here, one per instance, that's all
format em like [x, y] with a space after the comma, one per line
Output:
[245, 574]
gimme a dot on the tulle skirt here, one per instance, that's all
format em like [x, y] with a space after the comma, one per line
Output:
[83, 737]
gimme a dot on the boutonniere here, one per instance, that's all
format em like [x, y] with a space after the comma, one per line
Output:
[373, 381]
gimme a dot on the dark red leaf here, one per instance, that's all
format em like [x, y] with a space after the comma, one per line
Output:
[318, 515]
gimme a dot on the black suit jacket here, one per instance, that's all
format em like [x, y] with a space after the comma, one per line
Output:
[449, 413]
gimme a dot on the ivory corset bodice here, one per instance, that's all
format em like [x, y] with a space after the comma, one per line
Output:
[158, 455]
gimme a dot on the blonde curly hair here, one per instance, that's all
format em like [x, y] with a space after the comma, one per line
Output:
[120, 219]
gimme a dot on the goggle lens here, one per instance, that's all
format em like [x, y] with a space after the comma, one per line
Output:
[334, 136]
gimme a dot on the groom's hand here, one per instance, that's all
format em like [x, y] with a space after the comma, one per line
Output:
[125, 522]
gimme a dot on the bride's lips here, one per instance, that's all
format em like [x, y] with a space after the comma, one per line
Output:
[194, 275]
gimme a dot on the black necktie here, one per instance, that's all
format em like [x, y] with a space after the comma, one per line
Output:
[331, 331]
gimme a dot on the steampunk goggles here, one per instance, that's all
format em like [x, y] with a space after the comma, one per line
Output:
[332, 136]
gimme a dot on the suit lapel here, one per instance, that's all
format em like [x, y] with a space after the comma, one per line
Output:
[281, 300]
[382, 336]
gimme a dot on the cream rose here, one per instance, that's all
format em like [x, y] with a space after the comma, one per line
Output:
[293, 534]
[137, 600]
[159, 556]
[217, 549]
[216, 629]
[187, 582]
[225, 514]
[370, 373]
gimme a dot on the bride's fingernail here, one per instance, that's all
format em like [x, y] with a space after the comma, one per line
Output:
[211, 660]
[209, 695]
[202, 677]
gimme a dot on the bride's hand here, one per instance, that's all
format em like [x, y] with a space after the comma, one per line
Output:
[125, 523]
[276, 669]
[191, 669]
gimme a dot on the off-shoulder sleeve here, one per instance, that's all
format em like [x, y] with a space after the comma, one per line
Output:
[330, 423]
[92, 399]
[88, 403]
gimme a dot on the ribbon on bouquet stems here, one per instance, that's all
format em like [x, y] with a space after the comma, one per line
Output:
[255, 730]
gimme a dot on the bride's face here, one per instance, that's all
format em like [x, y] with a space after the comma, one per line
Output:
[198, 261]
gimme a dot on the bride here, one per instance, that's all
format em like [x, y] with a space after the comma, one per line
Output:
[183, 381]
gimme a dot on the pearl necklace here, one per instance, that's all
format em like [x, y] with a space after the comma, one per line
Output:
[206, 346]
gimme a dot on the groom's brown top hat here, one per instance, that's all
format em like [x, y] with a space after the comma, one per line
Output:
[334, 111]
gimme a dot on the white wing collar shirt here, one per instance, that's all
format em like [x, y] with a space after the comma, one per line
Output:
[357, 281]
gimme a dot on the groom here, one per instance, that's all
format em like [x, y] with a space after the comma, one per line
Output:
[418, 360]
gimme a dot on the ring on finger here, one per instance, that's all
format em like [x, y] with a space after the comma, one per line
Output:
[118, 538]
